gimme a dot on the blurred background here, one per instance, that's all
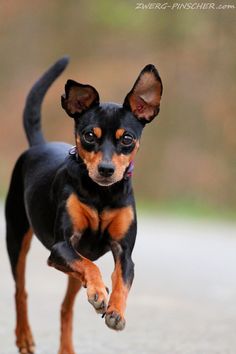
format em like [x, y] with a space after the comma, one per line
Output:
[187, 158]
[183, 297]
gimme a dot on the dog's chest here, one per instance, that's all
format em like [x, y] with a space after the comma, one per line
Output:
[83, 217]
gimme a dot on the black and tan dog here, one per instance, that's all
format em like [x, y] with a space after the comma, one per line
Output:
[79, 201]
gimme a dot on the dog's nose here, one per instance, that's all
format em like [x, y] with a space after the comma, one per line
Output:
[106, 169]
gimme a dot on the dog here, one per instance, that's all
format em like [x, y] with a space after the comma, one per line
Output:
[78, 200]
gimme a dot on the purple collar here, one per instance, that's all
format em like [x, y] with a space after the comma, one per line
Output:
[129, 171]
[73, 151]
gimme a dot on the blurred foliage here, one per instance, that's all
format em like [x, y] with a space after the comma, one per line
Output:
[187, 155]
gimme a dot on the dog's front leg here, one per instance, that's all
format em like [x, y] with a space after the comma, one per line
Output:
[122, 278]
[64, 258]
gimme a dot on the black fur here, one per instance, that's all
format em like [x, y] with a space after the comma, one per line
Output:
[46, 175]
[32, 111]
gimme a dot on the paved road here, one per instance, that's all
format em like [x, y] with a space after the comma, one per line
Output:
[183, 299]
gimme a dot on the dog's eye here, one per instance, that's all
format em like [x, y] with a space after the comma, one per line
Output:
[127, 140]
[89, 137]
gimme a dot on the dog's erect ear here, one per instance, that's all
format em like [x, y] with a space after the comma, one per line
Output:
[144, 98]
[78, 98]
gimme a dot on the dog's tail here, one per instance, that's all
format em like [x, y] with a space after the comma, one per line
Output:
[32, 111]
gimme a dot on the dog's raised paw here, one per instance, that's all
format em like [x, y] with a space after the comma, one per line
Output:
[115, 321]
[99, 299]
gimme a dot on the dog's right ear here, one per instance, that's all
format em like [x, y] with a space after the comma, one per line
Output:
[78, 98]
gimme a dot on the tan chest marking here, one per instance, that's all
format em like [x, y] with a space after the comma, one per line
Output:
[82, 216]
[117, 221]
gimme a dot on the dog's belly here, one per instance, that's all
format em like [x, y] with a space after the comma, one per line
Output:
[40, 167]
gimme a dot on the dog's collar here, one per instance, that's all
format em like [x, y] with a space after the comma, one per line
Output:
[129, 171]
[73, 152]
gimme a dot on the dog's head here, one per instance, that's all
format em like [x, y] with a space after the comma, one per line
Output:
[107, 135]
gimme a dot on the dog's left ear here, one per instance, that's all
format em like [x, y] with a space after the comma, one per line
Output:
[144, 98]
[78, 98]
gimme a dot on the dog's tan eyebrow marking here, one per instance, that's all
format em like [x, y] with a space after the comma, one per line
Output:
[119, 133]
[98, 132]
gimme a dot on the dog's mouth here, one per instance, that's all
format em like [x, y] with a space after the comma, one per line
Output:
[104, 181]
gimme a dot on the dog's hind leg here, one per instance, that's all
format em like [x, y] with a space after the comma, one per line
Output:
[19, 237]
[24, 338]
[66, 345]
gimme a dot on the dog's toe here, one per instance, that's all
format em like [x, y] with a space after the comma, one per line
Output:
[66, 351]
[27, 350]
[98, 298]
[25, 341]
[115, 321]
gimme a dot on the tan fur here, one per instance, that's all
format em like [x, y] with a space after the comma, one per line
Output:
[82, 216]
[119, 133]
[87, 270]
[119, 293]
[91, 159]
[117, 221]
[122, 161]
[66, 345]
[24, 338]
[98, 132]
